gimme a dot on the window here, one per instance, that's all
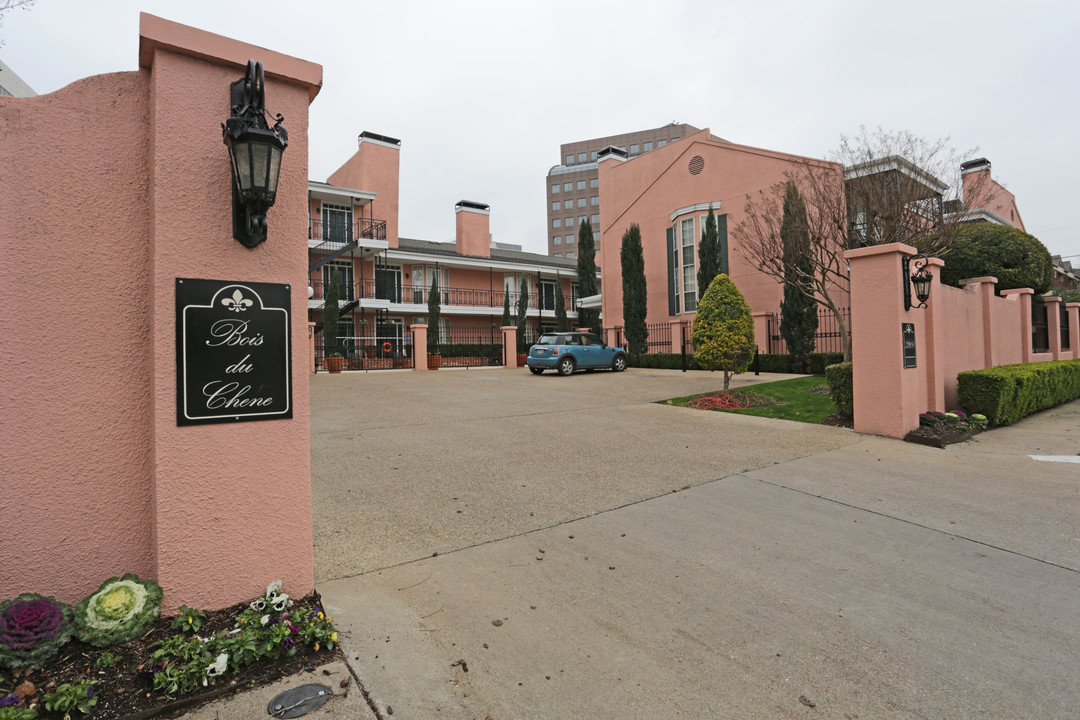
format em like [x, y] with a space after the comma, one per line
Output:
[570, 222]
[558, 254]
[595, 201]
[592, 155]
[674, 139]
[661, 143]
[547, 295]
[581, 219]
[581, 202]
[556, 223]
[336, 223]
[555, 205]
[570, 255]
[567, 205]
[595, 219]
[635, 149]
[556, 239]
[580, 184]
[569, 239]
[555, 189]
[567, 187]
[594, 183]
[343, 270]
[689, 266]
[388, 282]
[574, 295]
[648, 146]
[581, 157]
[570, 159]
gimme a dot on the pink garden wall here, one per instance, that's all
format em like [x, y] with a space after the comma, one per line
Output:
[114, 187]
[961, 329]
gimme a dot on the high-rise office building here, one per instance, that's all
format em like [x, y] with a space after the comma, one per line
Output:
[573, 190]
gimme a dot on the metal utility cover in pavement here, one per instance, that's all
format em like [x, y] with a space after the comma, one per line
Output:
[299, 701]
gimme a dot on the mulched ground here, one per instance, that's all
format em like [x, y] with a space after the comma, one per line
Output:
[732, 399]
[123, 692]
[941, 435]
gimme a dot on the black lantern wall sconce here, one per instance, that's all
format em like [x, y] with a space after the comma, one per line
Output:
[920, 279]
[255, 151]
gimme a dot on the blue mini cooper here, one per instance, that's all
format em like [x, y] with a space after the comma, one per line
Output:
[570, 351]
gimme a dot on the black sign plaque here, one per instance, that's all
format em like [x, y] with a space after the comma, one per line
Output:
[233, 351]
[908, 332]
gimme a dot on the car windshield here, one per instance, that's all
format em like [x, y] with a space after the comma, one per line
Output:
[548, 340]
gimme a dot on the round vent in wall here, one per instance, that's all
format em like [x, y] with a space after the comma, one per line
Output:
[697, 164]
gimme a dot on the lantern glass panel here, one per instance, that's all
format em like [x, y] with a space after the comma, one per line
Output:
[260, 164]
[242, 152]
[922, 287]
[275, 167]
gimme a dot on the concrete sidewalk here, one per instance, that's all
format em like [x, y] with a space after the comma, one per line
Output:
[795, 566]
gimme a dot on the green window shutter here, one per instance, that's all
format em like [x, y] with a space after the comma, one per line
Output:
[672, 295]
[721, 232]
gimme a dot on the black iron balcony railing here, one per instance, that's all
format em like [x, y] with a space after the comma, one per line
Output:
[334, 231]
[451, 296]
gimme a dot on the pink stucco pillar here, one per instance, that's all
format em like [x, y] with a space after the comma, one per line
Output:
[936, 342]
[1023, 297]
[983, 287]
[761, 330]
[419, 346]
[509, 333]
[887, 396]
[231, 501]
[677, 336]
[1074, 329]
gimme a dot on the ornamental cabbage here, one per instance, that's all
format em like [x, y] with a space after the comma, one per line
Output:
[119, 611]
[32, 629]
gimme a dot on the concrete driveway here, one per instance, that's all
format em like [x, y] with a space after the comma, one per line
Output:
[796, 570]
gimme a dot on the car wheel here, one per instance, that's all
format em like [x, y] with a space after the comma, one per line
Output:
[536, 371]
[566, 366]
[619, 363]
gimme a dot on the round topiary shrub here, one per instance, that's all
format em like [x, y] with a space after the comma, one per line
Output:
[119, 611]
[32, 629]
[1016, 259]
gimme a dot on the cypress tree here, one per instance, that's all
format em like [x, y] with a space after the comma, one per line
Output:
[522, 308]
[632, 259]
[724, 330]
[586, 272]
[561, 323]
[330, 316]
[434, 316]
[708, 255]
[506, 309]
[798, 311]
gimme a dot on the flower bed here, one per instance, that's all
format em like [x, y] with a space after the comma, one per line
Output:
[938, 429]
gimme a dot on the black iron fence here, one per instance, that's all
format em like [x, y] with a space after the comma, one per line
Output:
[395, 292]
[829, 338]
[1066, 343]
[466, 347]
[366, 353]
[335, 231]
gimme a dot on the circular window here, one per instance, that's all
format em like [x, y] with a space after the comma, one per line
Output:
[697, 164]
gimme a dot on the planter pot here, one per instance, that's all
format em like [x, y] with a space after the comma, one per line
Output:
[334, 364]
[434, 362]
[521, 359]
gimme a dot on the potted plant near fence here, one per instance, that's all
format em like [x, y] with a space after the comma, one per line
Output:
[334, 360]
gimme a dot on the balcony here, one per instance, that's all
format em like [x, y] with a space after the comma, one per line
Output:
[333, 236]
[379, 294]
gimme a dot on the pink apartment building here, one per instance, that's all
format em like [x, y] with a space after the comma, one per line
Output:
[385, 280]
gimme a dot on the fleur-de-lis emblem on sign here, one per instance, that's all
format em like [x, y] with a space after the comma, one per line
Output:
[237, 303]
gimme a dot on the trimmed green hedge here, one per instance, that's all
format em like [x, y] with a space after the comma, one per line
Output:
[842, 387]
[1007, 393]
[469, 350]
[767, 363]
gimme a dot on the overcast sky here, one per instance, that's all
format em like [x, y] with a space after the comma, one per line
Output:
[483, 93]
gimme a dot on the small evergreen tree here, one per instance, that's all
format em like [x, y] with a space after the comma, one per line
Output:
[330, 316]
[586, 271]
[522, 308]
[798, 311]
[724, 330]
[434, 316]
[561, 323]
[708, 255]
[632, 259]
[506, 308]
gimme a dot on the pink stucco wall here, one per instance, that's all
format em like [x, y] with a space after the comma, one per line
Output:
[75, 389]
[647, 189]
[960, 329]
[105, 480]
[982, 192]
[375, 167]
[472, 232]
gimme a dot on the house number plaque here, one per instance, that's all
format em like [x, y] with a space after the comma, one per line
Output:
[908, 332]
[233, 351]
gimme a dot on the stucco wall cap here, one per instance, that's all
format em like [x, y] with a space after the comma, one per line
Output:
[1017, 291]
[986, 279]
[880, 250]
[1051, 298]
[158, 33]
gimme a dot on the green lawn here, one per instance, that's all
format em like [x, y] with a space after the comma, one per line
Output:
[796, 402]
